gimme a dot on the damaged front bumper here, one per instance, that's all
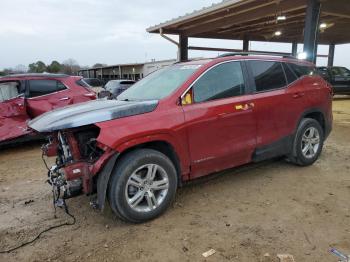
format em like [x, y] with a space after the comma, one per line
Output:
[73, 174]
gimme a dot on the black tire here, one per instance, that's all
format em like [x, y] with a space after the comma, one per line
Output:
[125, 167]
[298, 157]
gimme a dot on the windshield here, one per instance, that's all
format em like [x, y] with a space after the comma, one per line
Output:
[160, 83]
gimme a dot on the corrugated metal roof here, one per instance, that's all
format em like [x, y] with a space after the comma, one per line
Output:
[195, 13]
[256, 20]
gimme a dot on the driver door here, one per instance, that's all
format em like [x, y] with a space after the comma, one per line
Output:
[13, 114]
[221, 126]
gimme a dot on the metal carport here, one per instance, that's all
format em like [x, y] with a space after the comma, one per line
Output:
[310, 22]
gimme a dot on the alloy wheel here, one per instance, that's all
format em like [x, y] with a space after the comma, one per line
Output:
[310, 142]
[147, 188]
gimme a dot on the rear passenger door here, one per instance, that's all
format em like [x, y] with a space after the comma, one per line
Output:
[44, 95]
[220, 121]
[279, 99]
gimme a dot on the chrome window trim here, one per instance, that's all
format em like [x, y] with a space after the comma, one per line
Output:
[208, 69]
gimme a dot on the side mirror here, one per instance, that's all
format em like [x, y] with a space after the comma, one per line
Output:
[187, 99]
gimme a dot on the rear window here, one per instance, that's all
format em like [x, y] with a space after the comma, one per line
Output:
[44, 87]
[93, 82]
[323, 71]
[268, 75]
[127, 82]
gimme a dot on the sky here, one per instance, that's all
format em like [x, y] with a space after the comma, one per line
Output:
[105, 31]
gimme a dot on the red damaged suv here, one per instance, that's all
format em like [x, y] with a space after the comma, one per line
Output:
[183, 122]
[26, 96]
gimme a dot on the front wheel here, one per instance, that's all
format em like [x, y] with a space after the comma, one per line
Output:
[308, 142]
[142, 185]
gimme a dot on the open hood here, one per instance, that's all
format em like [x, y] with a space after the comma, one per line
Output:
[89, 113]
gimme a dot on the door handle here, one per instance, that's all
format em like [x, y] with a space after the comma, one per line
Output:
[244, 107]
[298, 95]
[63, 98]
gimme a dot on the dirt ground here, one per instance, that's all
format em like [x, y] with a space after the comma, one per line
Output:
[273, 208]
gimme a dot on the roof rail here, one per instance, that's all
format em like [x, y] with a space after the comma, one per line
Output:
[36, 75]
[284, 55]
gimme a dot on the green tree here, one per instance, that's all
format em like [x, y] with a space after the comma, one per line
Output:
[54, 67]
[38, 67]
[7, 71]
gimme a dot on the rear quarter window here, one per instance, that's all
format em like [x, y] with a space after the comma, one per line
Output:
[302, 70]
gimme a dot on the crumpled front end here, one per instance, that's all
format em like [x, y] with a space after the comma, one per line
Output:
[79, 158]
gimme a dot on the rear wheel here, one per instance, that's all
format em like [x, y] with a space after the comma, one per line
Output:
[142, 186]
[308, 142]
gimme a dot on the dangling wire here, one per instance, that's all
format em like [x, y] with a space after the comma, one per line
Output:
[55, 198]
[43, 158]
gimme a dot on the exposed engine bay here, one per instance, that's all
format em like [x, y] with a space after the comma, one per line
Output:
[78, 159]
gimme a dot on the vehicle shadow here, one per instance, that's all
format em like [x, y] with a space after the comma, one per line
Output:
[21, 146]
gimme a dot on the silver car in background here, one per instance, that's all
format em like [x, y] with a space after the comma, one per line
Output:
[113, 88]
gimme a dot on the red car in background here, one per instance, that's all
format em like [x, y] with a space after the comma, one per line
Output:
[26, 96]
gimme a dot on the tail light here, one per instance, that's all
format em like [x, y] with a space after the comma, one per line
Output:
[90, 95]
[330, 87]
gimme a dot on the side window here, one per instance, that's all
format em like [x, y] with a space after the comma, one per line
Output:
[291, 76]
[222, 81]
[301, 70]
[9, 90]
[340, 71]
[267, 75]
[44, 87]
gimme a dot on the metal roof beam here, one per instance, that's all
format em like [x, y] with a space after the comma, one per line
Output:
[246, 15]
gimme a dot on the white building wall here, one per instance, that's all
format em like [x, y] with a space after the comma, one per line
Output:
[150, 67]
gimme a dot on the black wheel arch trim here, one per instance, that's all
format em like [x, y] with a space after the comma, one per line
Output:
[103, 179]
[327, 126]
